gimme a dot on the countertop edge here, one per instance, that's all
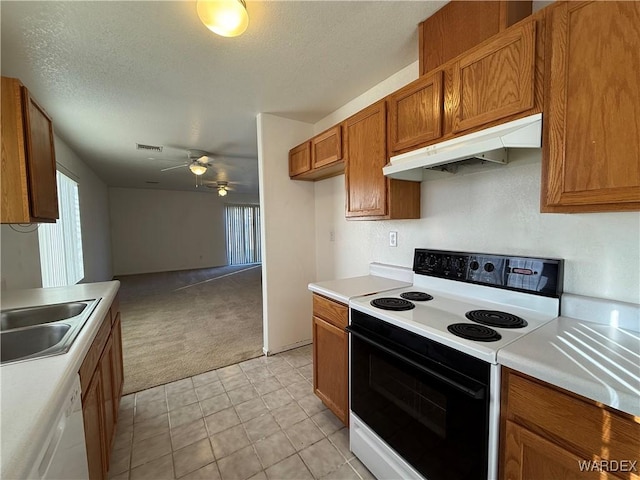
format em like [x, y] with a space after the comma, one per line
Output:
[18, 457]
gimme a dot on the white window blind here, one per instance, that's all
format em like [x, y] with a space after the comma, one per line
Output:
[61, 259]
[243, 234]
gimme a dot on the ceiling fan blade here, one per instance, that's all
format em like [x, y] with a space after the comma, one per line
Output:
[175, 166]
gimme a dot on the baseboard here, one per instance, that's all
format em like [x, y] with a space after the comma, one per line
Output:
[285, 348]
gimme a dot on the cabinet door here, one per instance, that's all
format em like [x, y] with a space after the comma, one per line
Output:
[92, 408]
[495, 80]
[331, 367]
[300, 159]
[106, 373]
[326, 148]
[415, 113]
[41, 160]
[366, 153]
[528, 456]
[118, 372]
[591, 155]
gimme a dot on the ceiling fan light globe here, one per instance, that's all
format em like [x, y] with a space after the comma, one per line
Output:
[222, 191]
[197, 169]
[227, 18]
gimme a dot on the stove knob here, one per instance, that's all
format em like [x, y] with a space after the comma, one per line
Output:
[489, 267]
[431, 261]
[474, 265]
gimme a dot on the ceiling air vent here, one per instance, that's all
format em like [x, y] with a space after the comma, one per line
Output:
[153, 148]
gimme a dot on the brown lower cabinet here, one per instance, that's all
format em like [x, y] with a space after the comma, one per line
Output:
[331, 355]
[548, 432]
[101, 378]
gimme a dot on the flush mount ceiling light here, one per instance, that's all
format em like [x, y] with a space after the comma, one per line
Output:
[228, 18]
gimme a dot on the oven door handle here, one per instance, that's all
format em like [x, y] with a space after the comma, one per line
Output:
[475, 393]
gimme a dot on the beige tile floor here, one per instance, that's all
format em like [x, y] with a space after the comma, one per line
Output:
[258, 419]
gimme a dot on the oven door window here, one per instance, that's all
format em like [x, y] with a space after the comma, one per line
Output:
[441, 431]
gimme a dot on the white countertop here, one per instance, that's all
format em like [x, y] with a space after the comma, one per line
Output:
[33, 391]
[595, 360]
[344, 289]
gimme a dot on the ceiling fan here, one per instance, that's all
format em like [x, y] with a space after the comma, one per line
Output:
[198, 162]
[222, 187]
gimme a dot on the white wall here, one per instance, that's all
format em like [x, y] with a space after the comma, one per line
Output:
[162, 230]
[20, 251]
[288, 238]
[491, 209]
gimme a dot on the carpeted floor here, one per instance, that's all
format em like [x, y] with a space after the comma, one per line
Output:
[179, 324]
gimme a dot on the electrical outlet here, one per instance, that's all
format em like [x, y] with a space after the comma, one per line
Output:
[393, 239]
[332, 236]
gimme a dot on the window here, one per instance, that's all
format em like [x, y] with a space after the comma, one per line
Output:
[243, 234]
[61, 259]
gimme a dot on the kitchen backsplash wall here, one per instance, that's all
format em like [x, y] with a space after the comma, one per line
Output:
[494, 209]
[20, 251]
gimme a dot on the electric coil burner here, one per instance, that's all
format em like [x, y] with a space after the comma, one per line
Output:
[392, 303]
[416, 296]
[493, 318]
[471, 331]
[424, 387]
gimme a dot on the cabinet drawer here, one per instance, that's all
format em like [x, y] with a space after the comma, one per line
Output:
[571, 421]
[335, 313]
[94, 353]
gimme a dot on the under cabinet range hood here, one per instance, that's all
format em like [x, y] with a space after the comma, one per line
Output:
[488, 145]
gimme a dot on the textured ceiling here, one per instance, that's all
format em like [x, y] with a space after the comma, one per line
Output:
[112, 74]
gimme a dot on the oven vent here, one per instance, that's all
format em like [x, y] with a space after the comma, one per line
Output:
[153, 148]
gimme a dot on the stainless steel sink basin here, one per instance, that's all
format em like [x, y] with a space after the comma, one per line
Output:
[43, 330]
[27, 317]
[22, 344]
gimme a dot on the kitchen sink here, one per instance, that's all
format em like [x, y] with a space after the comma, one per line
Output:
[42, 331]
[21, 344]
[27, 317]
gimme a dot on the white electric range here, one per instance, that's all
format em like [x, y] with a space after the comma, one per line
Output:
[424, 379]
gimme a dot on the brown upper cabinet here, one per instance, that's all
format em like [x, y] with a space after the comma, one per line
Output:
[415, 112]
[318, 158]
[495, 80]
[591, 138]
[326, 148]
[300, 159]
[369, 194]
[461, 25]
[29, 191]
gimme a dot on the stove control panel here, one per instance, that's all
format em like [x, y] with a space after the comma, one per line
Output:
[527, 274]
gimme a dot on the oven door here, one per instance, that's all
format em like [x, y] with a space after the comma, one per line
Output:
[433, 416]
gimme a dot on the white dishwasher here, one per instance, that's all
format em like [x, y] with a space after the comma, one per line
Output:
[64, 454]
